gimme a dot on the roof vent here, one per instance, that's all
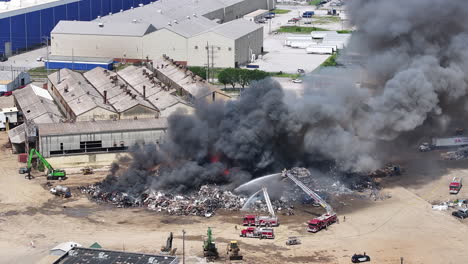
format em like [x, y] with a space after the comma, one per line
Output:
[101, 24]
[140, 5]
[169, 23]
[159, 11]
[175, 21]
[121, 10]
[195, 15]
[98, 17]
[131, 7]
[134, 21]
[188, 17]
[110, 13]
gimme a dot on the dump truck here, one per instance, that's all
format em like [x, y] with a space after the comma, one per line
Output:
[322, 221]
[60, 190]
[233, 251]
[52, 174]
[255, 220]
[258, 232]
[210, 252]
[455, 185]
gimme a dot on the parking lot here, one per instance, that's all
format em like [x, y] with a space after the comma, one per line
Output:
[278, 57]
[26, 60]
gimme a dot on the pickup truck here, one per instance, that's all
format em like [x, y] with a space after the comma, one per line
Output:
[462, 213]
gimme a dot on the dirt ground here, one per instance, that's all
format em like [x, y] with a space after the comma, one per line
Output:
[32, 221]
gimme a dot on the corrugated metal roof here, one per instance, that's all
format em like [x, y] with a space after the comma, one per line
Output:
[102, 126]
[101, 28]
[236, 28]
[79, 95]
[195, 88]
[36, 105]
[121, 96]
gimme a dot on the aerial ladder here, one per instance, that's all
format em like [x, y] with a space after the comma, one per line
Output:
[52, 174]
[268, 202]
[308, 191]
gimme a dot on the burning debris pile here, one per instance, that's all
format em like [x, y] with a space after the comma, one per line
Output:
[202, 203]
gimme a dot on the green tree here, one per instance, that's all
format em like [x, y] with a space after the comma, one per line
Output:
[200, 71]
[229, 76]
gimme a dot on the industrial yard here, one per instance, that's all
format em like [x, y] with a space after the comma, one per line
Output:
[385, 229]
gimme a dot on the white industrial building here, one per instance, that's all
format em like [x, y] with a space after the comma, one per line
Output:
[179, 29]
[11, 80]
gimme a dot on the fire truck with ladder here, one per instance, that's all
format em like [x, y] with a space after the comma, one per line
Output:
[258, 232]
[269, 221]
[322, 221]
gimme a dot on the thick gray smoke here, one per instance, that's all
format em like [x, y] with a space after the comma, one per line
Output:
[414, 72]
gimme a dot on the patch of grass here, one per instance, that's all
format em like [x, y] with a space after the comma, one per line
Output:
[281, 11]
[285, 75]
[327, 19]
[315, 2]
[331, 61]
[121, 66]
[300, 30]
[344, 31]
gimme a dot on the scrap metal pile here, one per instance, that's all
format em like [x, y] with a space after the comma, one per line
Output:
[202, 203]
[459, 154]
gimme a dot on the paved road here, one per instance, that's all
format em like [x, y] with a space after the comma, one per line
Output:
[25, 60]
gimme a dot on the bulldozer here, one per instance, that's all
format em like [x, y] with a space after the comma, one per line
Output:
[167, 249]
[87, 170]
[210, 252]
[233, 251]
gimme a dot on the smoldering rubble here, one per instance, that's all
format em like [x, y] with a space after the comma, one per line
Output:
[210, 198]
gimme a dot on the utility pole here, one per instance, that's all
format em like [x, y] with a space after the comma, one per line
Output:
[207, 61]
[212, 63]
[183, 246]
[46, 39]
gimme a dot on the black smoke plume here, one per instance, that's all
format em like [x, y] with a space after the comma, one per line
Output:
[413, 76]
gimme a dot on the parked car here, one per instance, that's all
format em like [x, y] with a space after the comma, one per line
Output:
[261, 20]
[462, 213]
[39, 59]
[8, 93]
[2, 59]
[2, 93]
[297, 81]
[358, 258]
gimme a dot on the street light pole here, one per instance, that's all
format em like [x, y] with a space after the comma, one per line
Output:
[183, 246]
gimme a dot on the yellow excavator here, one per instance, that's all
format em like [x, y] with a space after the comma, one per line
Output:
[233, 251]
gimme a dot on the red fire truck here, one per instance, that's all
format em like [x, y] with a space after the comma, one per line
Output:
[321, 222]
[257, 232]
[455, 185]
[255, 220]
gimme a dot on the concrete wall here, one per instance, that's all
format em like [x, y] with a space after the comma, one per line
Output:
[139, 111]
[61, 103]
[223, 50]
[177, 107]
[70, 143]
[97, 113]
[97, 46]
[247, 45]
[92, 160]
[166, 42]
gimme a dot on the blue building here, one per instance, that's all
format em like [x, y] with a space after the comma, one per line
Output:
[25, 24]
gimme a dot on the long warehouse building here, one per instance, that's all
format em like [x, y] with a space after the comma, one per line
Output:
[25, 24]
[187, 31]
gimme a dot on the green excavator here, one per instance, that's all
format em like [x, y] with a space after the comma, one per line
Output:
[52, 174]
[210, 252]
